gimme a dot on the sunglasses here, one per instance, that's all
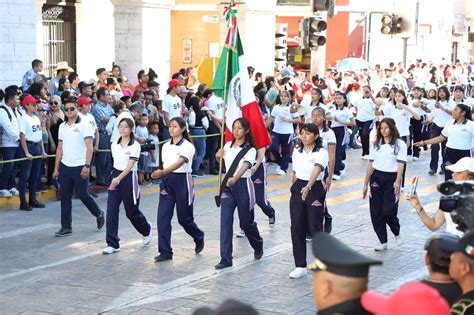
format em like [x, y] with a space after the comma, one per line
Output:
[69, 109]
[55, 103]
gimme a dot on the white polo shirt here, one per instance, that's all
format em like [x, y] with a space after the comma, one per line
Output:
[30, 126]
[280, 126]
[365, 109]
[172, 105]
[90, 119]
[123, 155]
[343, 114]
[172, 152]
[304, 163]
[402, 120]
[216, 104]
[115, 131]
[328, 137]
[385, 159]
[440, 117]
[230, 153]
[72, 138]
[460, 136]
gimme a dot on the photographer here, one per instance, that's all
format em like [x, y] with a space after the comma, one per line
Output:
[462, 170]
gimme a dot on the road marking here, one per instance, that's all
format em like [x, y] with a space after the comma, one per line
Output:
[145, 293]
[27, 230]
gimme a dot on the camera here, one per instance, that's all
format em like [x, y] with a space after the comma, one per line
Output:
[148, 146]
[458, 200]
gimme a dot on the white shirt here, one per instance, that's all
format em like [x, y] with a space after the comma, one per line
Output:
[156, 152]
[402, 120]
[304, 163]
[385, 159]
[328, 137]
[451, 226]
[10, 129]
[309, 109]
[216, 104]
[89, 118]
[460, 136]
[365, 109]
[72, 138]
[280, 126]
[418, 109]
[123, 155]
[30, 126]
[440, 117]
[172, 105]
[172, 152]
[115, 132]
[230, 153]
[343, 114]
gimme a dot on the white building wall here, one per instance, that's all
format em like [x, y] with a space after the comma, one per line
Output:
[17, 39]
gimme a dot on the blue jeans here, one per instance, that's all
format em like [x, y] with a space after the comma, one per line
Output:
[29, 172]
[103, 160]
[212, 145]
[200, 145]
[7, 180]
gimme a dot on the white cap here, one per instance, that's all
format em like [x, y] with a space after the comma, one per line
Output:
[464, 164]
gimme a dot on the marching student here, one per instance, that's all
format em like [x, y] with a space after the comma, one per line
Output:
[124, 187]
[318, 117]
[307, 193]
[31, 144]
[366, 107]
[84, 111]
[176, 188]
[419, 103]
[238, 193]
[72, 167]
[459, 134]
[387, 160]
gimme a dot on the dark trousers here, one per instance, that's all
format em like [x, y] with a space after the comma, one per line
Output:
[405, 139]
[364, 132]
[340, 149]
[283, 141]
[128, 192]
[383, 204]
[260, 185]
[451, 156]
[29, 172]
[417, 127]
[103, 160]
[200, 145]
[240, 195]
[42, 172]
[436, 131]
[176, 189]
[70, 180]
[305, 215]
[212, 143]
[7, 181]
[165, 133]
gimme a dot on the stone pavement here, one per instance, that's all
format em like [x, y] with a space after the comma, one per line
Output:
[40, 273]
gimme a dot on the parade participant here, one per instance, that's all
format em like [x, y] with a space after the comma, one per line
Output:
[307, 193]
[366, 107]
[31, 144]
[342, 119]
[318, 117]
[124, 187]
[172, 105]
[134, 112]
[458, 95]
[463, 170]
[316, 100]
[459, 134]
[84, 108]
[176, 188]
[420, 104]
[72, 166]
[387, 160]
[441, 114]
[282, 131]
[341, 276]
[238, 193]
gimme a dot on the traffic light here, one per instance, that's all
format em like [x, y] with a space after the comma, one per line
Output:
[391, 24]
[315, 27]
[281, 45]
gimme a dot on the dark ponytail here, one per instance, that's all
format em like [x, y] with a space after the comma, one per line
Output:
[131, 125]
[2, 95]
[182, 124]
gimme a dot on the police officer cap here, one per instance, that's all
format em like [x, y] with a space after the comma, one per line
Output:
[335, 257]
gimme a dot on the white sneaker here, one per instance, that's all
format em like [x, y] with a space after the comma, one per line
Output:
[381, 247]
[147, 239]
[343, 172]
[415, 158]
[398, 239]
[14, 192]
[309, 238]
[281, 172]
[110, 250]
[365, 157]
[409, 158]
[336, 177]
[5, 193]
[298, 273]
[240, 233]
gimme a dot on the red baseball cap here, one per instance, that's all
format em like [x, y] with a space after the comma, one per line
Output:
[29, 100]
[413, 298]
[174, 83]
[83, 101]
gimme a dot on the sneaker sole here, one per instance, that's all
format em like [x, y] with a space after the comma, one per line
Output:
[109, 253]
[62, 235]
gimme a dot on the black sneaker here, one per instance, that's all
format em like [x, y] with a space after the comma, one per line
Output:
[431, 172]
[271, 221]
[199, 247]
[25, 207]
[63, 232]
[327, 223]
[222, 265]
[258, 254]
[36, 204]
[162, 257]
[101, 220]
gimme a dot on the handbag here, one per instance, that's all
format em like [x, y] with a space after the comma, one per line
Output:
[230, 172]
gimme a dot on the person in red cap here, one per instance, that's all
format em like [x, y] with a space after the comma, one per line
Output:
[84, 107]
[410, 299]
[172, 105]
[31, 144]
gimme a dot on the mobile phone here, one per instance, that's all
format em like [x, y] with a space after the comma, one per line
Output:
[414, 184]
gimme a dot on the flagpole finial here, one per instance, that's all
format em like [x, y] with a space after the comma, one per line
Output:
[230, 14]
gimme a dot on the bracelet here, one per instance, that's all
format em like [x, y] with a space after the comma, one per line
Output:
[421, 211]
[308, 186]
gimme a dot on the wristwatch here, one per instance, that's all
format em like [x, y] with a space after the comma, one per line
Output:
[87, 165]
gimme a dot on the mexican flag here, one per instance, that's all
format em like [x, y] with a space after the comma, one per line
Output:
[233, 85]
